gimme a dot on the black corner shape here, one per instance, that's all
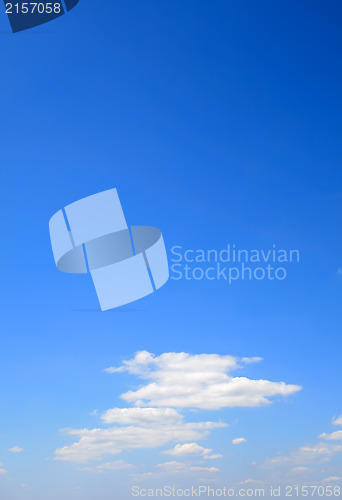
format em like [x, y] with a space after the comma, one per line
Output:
[24, 15]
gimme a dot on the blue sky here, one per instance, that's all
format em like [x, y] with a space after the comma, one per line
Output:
[219, 123]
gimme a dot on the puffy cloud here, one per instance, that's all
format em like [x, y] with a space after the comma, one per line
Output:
[182, 380]
[239, 440]
[16, 449]
[174, 381]
[334, 436]
[94, 444]
[181, 450]
[337, 420]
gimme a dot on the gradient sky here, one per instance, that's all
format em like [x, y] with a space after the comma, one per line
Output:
[219, 123]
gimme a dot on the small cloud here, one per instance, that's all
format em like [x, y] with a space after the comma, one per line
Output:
[15, 449]
[181, 450]
[180, 467]
[334, 436]
[2, 471]
[317, 453]
[143, 476]
[117, 465]
[331, 479]
[93, 413]
[337, 420]
[239, 441]
[300, 469]
[108, 467]
[249, 361]
[250, 481]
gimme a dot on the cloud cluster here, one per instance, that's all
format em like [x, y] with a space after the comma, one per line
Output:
[139, 428]
[182, 380]
[312, 454]
[316, 453]
[174, 381]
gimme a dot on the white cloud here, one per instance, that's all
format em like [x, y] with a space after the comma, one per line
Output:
[143, 476]
[141, 416]
[239, 440]
[308, 459]
[181, 450]
[108, 467]
[334, 436]
[15, 449]
[180, 467]
[317, 453]
[248, 361]
[94, 444]
[337, 420]
[2, 471]
[174, 381]
[300, 469]
[181, 380]
[250, 481]
[331, 479]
